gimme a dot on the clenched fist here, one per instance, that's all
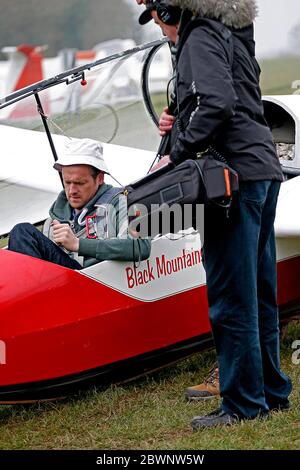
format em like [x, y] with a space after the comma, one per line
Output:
[166, 122]
[64, 236]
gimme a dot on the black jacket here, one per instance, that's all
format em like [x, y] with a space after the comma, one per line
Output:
[219, 99]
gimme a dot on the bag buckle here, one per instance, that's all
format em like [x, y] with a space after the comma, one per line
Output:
[91, 226]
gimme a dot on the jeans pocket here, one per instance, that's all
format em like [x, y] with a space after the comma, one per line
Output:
[254, 192]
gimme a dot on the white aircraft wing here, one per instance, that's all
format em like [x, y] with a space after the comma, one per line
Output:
[287, 223]
[25, 205]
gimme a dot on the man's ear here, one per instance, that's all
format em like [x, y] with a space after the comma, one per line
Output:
[100, 178]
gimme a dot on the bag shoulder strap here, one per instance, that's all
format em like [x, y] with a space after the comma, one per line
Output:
[106, 197]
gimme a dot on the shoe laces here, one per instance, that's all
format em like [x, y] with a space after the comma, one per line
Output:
[213, 376]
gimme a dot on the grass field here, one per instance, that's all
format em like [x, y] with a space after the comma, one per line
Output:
[3, 243]
[149, 414]
[279, 74]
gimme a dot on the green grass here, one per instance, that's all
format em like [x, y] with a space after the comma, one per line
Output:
[159, 102]
[149, 414]
[3, 242]
[278, 74]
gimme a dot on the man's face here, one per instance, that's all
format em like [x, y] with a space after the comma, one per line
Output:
[80, 185]
[168, 30]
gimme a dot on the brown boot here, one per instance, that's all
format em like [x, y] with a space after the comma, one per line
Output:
[208, 389]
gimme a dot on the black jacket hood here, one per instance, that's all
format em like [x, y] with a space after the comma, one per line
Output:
[235, 14]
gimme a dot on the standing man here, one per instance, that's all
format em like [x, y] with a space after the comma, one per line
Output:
[69, 239]
[219, 103]
[209, 388]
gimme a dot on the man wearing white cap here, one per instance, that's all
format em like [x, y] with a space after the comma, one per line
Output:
[87, 218]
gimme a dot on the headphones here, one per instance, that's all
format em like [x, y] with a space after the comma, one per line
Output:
[167, 14]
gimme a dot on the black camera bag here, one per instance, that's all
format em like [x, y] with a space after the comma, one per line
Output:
[193, 181]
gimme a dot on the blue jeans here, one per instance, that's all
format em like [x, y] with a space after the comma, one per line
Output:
[240, 262]
[25, 238]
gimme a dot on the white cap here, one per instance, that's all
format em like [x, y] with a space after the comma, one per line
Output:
[82, 152]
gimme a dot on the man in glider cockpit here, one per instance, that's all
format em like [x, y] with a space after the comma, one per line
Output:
[88, 220]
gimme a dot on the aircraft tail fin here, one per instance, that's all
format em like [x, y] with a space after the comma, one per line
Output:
[25, 66]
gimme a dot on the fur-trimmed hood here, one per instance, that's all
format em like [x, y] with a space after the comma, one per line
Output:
[232, 13]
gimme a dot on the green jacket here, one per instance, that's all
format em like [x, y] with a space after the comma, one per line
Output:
[117, 246]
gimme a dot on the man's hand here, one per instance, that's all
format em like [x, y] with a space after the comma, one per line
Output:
[63, 235]
[166, 122]
[162, 162]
